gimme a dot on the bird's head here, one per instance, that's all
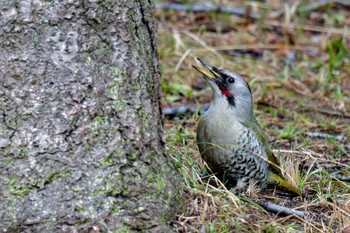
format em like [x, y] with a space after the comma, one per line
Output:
[229, 87]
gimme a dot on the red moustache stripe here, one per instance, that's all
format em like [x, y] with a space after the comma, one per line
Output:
[225, 91]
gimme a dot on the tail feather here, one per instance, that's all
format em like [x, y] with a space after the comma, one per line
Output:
[280, 181]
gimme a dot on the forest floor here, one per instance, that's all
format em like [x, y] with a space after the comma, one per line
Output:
[295, 56]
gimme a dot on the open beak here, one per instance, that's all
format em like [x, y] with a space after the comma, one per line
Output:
[213, 75]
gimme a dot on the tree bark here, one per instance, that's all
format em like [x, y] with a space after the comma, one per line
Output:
[81, 147]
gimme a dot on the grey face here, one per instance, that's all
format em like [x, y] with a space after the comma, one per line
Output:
[232, 86]
[228, 85]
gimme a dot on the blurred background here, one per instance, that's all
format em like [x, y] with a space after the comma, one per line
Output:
[295, 56]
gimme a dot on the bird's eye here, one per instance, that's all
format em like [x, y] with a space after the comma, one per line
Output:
[231, 80]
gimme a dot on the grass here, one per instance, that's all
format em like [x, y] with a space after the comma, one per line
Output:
[298, 69]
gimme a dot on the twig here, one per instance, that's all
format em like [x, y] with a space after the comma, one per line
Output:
[204, 44]
[341, 177]
[183, 57]
[311, 154]
[340, 138]
[321, 4]
[281, 210]
[244, 12]
[238, 11]
[332, 113]
[308, 27]
[258, 46]
[172, 112]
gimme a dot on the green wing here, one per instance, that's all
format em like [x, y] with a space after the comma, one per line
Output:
[255, 126]
[276, 176]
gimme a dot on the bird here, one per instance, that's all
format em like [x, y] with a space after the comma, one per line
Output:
[230, 139]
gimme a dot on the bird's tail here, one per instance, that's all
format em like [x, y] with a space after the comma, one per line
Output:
[280, 181]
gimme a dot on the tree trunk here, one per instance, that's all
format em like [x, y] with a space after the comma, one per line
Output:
[81, 146]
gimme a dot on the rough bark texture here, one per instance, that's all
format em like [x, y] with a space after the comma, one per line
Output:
[81, 146]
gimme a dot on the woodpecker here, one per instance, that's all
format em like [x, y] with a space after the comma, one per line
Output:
[231, 140]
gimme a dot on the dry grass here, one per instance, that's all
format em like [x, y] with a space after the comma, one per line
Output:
[298, 67]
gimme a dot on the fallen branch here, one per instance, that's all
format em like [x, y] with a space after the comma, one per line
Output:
[332, 113]
[339, 138]
[238, 11]
[281, 210]
[173, 112]
[341, 177]
[244, 12]
[274, 208]
[322, 4]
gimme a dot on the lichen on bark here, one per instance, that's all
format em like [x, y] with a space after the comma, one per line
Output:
[81, 143]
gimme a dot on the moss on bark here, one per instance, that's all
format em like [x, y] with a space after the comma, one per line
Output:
[80, 123]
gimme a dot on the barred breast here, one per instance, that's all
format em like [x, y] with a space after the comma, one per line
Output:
[237, 158]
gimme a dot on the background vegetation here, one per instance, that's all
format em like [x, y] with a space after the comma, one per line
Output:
[295, 56]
